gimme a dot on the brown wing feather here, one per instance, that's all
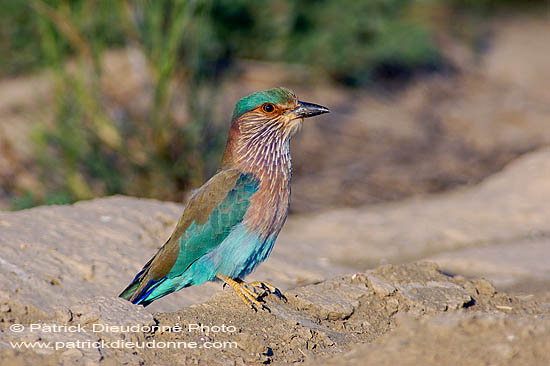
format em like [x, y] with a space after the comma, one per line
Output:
[199, 208]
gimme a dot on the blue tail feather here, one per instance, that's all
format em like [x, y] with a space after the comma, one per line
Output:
[150, 287]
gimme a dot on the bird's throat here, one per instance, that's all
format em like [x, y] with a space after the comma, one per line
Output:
[271, 163]
[269, 160]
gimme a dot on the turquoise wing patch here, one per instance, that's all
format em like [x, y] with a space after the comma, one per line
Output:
[199, 239]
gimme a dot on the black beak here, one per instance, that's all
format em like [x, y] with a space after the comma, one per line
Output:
[306, 110]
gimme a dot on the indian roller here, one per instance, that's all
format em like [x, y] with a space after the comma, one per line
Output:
[230, 224]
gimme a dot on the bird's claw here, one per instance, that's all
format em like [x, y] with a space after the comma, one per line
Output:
[263, 307]
[280, 295]
[249, 297]
[268, 288]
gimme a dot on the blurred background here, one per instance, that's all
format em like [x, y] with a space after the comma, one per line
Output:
[103, 97]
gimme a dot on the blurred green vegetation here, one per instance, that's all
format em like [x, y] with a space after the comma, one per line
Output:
[192, 44]
[87, 152]
[346, 38]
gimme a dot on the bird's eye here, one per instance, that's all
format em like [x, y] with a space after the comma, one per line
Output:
[268, 107]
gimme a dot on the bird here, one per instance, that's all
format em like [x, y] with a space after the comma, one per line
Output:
[230, 224]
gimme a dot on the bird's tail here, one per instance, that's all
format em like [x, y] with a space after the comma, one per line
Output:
[138, 291]
[130, 290]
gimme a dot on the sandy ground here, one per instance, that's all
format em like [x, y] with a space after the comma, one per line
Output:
[64, 266]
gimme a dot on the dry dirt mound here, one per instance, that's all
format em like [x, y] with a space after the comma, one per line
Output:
[65, 265]
[317, 322]
[497, 229]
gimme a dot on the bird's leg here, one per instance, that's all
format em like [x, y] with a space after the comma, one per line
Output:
[247, 295]
[269, 288]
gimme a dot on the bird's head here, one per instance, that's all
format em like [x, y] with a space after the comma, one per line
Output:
[276, 111]
[263, 123]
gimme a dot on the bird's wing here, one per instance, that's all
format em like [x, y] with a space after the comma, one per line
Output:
[208, 218]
